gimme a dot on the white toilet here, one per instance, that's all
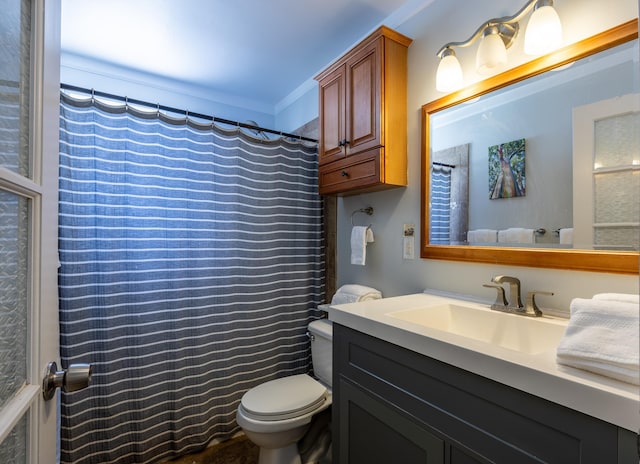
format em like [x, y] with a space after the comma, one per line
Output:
[276, 414]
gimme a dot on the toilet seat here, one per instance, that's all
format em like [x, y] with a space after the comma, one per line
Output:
[284, 398]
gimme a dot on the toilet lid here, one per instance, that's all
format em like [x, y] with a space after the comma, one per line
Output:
[284, 398]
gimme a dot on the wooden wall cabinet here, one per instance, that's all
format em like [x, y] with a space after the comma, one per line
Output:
[363, 117]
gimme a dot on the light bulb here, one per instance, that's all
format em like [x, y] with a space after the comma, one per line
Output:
[449, 73]
[491, 53]
[544, 31]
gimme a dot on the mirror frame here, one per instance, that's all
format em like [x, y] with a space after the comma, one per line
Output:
[582, 260]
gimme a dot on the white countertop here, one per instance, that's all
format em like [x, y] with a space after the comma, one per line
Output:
[539, 374]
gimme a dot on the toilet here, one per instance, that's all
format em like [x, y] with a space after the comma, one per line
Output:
[276, 414]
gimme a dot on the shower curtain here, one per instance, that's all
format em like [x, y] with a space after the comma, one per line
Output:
[191, 262]
[440, 207]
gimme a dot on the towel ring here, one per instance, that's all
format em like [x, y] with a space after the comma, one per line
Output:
[368, 211]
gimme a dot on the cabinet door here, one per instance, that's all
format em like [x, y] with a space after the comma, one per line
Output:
[332, 116]
[374, 432]
[363, 79]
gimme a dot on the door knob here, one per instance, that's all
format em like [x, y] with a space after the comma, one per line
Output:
[76, 377]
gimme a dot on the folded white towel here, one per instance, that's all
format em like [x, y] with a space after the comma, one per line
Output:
[602, 337]
[360, 236]
[353, 293]
[624, 297]
[516, 235]
[566, 236]
[482, 236]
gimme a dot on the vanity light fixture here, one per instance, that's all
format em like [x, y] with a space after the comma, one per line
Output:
[543, 34]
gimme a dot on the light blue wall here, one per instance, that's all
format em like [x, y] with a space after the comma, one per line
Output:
[293, 113]
[439, 23]
[91, 74]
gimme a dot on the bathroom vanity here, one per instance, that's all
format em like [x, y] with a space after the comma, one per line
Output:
[412, 385]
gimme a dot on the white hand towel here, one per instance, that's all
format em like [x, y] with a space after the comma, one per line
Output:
[566, 236]
[602, 337]
[353, 293]
[482, 236]
[624, 297]
[516, 235]
[360, 236]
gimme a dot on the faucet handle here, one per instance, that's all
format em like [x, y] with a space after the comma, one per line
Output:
[501, 299]
[531, 301]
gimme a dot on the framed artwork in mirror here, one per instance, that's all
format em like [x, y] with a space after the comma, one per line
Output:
[507, 170]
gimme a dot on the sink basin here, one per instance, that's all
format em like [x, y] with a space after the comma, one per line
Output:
[528, 335]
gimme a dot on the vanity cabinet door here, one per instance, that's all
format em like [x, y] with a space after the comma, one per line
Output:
[373, 431]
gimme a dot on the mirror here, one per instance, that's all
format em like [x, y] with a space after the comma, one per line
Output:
[519, 176]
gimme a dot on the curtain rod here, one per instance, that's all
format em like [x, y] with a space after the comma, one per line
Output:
[452, 166]
[179, 111]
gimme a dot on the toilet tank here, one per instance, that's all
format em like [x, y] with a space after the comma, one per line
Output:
[321, 334]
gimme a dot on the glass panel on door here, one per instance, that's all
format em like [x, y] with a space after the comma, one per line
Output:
[14, 448]
[13, 294]
[617, 181]
[15, 43]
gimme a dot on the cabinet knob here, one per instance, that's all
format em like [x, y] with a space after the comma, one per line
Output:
[344, 174]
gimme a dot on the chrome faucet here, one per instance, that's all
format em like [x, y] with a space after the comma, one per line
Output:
[514, 303]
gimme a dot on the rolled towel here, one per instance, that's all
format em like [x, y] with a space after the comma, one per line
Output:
[516, 235]
[482, 236]
[353, 293]
[566, 236]
[602, 337]
[624, 297]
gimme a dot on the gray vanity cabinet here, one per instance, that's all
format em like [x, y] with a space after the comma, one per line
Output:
[392, 405]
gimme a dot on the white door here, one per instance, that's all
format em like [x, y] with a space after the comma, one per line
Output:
[29, 96]
[606, 174]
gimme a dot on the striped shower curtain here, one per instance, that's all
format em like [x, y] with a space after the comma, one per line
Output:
[440, 207]
[191, 263]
